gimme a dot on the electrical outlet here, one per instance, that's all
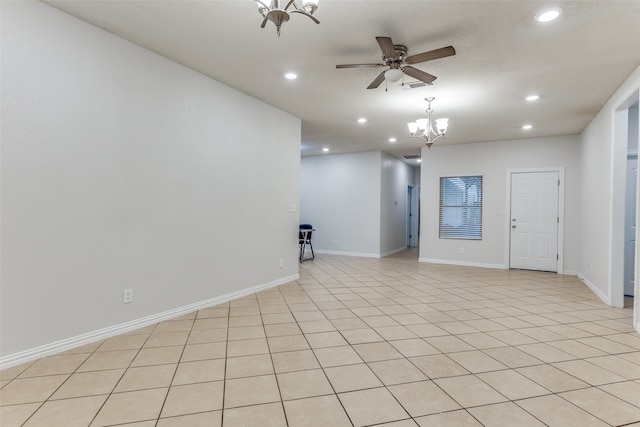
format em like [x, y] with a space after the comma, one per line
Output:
[281, 263]
[127, 296]
[461, 250]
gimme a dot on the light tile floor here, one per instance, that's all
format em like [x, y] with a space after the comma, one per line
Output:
[355, 342]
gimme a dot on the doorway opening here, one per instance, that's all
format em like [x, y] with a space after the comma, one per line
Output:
[413, 216]
[631, 189]
[624, 254]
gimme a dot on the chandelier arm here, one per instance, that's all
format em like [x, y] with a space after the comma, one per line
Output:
[432, 132]
[278, 16]
[307, 15]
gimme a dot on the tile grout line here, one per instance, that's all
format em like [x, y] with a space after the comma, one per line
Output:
[275, 374]
[164, 401]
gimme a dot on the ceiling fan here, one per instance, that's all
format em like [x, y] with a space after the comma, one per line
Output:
[395, 57]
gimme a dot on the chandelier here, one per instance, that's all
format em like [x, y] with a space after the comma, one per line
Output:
[425, 130]
[271, 11]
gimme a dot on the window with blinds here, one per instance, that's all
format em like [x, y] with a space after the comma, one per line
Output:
[461, 207]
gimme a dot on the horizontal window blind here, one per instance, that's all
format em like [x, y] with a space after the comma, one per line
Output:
[461, 207]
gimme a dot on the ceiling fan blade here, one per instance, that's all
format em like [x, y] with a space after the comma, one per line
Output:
[432, 54]
[388, 49]
[376, 82]
[418, 74]
[359, 65]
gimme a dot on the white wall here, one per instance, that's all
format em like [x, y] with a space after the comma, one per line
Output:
[122, 169]
[396, 177]
[596, 204]
[358, 200]
[492, 160]
[604, 152]
[340, 197]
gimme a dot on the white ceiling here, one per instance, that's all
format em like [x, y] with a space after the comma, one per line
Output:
[575, 63]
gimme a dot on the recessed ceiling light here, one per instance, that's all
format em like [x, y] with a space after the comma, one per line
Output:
[527, 127]
[419, 160]
[362, 120]
[548, 15]
[290, 76]
[392, 139]
[325, 149]
[532, 97]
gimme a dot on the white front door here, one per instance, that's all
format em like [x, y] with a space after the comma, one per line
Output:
[534, 221]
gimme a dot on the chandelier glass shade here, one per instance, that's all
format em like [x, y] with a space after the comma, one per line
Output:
[271, 11]
[425, 129]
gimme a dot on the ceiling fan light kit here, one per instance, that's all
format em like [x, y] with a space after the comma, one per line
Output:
[393, 75]
[425, 129]
[271, 11]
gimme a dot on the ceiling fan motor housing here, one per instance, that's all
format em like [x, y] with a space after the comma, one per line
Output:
[401, 54]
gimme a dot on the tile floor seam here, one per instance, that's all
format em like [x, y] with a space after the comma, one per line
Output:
[164, 401]
[274, 368]
[226, 357]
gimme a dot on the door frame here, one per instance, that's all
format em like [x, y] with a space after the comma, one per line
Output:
[507, 213]
[620, 149]
[631, 154]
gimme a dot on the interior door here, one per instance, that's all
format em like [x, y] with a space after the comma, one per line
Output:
[534, 221]
[414, 216]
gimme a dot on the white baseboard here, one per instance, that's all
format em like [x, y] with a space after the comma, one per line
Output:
[463, 263]
[358, 254]
[638, 327]
[100, 334]
[395, 251]
[594, 289]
